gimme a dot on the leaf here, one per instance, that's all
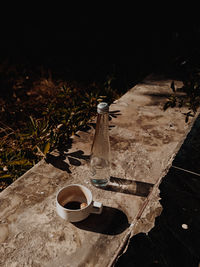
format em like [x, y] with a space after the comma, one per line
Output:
[5, 176]
[32, 121]
[22, 135]
[24, 162]
[39, 152]
[46, 148]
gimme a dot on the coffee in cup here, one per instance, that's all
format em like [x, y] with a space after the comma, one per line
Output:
[75, 203]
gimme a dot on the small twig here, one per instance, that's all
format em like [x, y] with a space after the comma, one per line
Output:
[181, 169]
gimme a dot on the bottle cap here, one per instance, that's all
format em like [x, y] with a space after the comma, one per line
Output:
[102, 108]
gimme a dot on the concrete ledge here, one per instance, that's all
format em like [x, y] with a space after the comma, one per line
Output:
[144, 142]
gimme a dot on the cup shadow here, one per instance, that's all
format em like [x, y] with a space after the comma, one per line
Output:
[127, 186]
[111, 221]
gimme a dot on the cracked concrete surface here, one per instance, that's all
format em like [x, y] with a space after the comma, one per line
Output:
[144, 141]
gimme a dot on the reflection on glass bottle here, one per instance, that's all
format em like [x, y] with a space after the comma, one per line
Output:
[100, 152]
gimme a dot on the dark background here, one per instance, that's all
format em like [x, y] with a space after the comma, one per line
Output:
[88, 44]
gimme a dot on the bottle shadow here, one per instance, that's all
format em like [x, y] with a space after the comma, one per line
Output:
[111, 221]
[127, 186]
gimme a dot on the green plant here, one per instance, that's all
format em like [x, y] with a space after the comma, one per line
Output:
[49, 127]
[190, 93]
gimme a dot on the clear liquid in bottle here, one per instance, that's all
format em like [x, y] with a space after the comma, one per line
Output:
[100, 152]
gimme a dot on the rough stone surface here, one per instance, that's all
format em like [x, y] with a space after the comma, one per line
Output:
[144, 141]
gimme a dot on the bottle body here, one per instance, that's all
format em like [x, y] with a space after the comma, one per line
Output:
[100, 152]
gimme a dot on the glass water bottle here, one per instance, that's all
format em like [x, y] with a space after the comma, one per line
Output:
[100, 151]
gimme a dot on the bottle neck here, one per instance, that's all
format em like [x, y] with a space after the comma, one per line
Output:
[102, 118]
[102, 112]
[101, 138]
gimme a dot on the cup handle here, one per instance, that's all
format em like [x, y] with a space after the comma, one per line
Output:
[97, 207]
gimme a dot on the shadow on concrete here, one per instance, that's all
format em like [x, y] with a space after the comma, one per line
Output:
[73, 159]
[111, 221]
[92, 125]
[60, 160]
[157, 98]
[127, 186]
[114, 114]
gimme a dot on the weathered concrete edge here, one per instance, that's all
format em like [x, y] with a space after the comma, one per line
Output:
[150, 202]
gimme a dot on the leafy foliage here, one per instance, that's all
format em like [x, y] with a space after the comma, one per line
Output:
[190, 96]
[27, 140]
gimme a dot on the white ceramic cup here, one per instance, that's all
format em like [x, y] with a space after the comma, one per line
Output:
[76, 193]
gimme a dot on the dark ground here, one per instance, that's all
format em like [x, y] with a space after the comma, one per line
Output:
[88, 46]
[175, 239]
